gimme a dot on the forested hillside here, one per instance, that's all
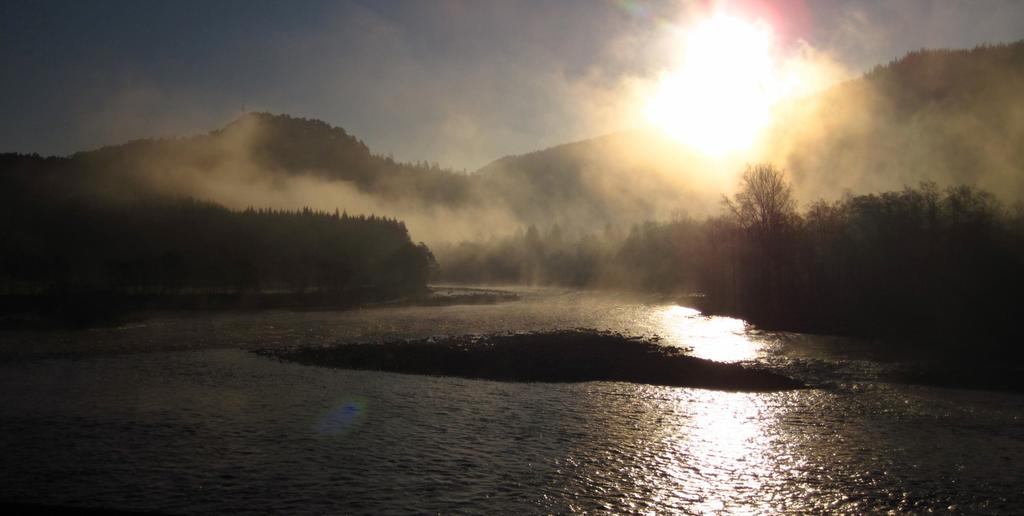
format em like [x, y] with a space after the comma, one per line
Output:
[187, 254]
[256, 147]
[595, 212]
[890, 264]
[948, 116]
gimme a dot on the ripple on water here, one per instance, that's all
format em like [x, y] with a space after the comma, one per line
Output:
[172, 419]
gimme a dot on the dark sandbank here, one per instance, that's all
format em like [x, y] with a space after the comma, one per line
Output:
[560, 356]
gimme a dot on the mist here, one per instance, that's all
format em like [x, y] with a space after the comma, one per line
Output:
[511, 256]
[942, 116]
[460, 85]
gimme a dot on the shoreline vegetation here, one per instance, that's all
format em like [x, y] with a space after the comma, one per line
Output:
[564, 356]
[925, 263]
[78, 264]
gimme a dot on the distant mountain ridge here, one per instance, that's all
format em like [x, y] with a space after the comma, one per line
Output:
[953, 116]
[950, 116]
[279, 145]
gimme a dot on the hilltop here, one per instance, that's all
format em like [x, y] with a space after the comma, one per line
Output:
[952, 116]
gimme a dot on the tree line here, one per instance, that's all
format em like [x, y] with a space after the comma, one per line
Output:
[922, 260]
[161, 247]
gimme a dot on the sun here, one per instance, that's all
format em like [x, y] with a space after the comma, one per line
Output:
[721, 95]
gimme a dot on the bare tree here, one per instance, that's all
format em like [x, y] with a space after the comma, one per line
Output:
[765, 201]
[765, 210]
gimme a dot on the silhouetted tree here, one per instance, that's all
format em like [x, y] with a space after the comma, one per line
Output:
[765, 201]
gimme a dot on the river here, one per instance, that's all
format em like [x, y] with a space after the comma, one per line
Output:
[174, 415]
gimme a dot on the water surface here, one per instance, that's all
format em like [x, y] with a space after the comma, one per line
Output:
[174, 415]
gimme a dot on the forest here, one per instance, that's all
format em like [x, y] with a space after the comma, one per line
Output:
[896, 263]
[947, 116]
[176, 218]
[84, 260]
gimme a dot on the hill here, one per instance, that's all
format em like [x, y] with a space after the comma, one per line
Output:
[615, 180]
[951, 116]
[255, 148]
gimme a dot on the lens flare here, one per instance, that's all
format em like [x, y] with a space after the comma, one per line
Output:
[342, 418]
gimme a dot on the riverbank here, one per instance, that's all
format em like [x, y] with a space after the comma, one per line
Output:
[580, 355]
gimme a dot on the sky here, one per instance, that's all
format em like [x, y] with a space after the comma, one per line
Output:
[455, 82]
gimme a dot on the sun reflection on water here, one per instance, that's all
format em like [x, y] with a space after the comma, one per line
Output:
[723, 339]
[727, 441]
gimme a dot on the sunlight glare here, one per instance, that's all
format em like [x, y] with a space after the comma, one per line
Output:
[722, 339]
[721, 96]
[728, 437]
